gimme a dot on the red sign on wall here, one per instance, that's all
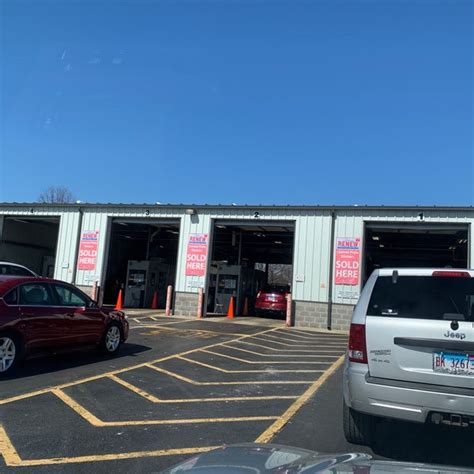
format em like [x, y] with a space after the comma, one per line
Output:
[88, 250]
[196, 256]
[347, 271]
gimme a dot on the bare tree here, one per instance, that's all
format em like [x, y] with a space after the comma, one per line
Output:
[56, 194]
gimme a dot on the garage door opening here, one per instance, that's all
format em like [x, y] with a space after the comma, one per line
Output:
[417, 246]
[142, 260]
[252, 262]
[30, 242]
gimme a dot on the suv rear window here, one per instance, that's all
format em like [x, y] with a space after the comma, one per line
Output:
[423, 297]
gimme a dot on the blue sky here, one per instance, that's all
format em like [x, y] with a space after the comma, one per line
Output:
[285, 102]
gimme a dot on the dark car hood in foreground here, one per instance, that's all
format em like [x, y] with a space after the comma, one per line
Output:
[265, 458]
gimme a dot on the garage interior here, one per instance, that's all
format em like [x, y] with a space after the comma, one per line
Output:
[415, 246]
[245, 258]
[141, 260]
[30, 241]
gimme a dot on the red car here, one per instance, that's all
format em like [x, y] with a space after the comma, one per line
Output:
[271, 300]
[40, 315]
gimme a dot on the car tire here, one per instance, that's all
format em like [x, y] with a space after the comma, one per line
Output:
[112, 339]
[358, 427]
[10, 353]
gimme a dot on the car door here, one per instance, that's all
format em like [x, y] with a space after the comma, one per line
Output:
[85, 322]
[44, 326]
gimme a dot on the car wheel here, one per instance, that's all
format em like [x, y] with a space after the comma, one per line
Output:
[358, 427]
[111, 339]
[9, 353]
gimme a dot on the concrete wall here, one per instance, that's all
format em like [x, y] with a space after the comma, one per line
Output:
[313, 315]
[185, 304]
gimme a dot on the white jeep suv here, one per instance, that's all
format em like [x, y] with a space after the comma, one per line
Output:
[411, 351]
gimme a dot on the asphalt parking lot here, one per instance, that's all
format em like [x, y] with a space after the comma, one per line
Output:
[180, 387]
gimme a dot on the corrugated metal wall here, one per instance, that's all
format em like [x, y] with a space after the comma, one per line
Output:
[66, 247]
[351, 224]
[100, 219]
[311, 249]
[68, 228]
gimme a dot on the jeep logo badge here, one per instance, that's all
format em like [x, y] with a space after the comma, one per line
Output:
[454, 325]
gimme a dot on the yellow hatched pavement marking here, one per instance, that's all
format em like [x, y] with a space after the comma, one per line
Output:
[249, 382]
[274, 349]
[93, 420]
[331, 345]
[7, 450]
[154, 399]
[115, 372]
[270, 432]
[305, 344]
[290, 332]
[256, 371]
[325, 356]
[12, 459]
[245, 361]
[206, 331]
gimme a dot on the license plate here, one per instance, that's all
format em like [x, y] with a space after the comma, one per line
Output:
[449, 363]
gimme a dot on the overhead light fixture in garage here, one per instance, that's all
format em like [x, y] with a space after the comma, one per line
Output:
[279, 242]
[375, 237]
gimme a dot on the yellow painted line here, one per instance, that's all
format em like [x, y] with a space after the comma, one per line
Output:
[158, 322]
[297, 345]
[213, 367]
[314, 356]
[78, 408]
[35, 393]
[245, 361]
[94, 421]
[290, 333]
[274, 349]
[7, 450]
[198, 330]
[305, 344]
[12, 459]
[135, 389]
[245, 382]
[154, 399]
[270, 432]
[154, 319]
[335, 335]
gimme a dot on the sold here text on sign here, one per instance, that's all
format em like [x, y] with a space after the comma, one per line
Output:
[347, 271]
[196, 256]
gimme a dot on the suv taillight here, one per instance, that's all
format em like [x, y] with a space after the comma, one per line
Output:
[357, 344]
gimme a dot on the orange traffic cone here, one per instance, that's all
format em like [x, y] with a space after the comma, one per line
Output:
[119, 304]
[154, 303]
[246, 307]
[230, 309]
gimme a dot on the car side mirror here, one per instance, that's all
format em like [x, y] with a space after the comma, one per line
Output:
[93, 304]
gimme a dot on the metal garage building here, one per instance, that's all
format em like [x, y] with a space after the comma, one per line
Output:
[325, 252]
